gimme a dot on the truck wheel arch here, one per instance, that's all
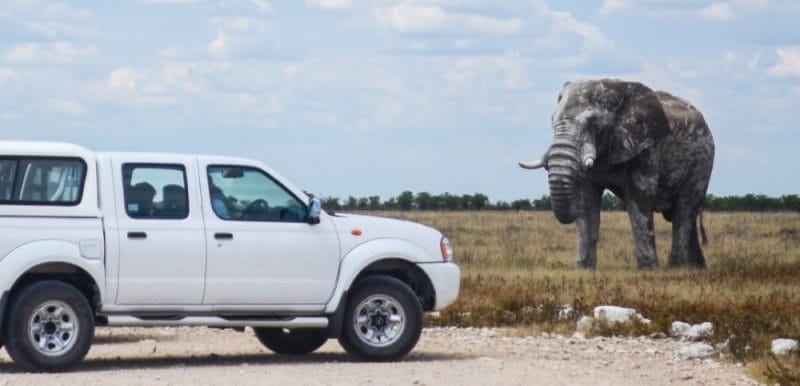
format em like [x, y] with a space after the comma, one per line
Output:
[390, 257]
[63, 271]
[54, 270]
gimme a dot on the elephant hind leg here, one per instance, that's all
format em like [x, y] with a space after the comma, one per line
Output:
[686, 251]
[696, 257]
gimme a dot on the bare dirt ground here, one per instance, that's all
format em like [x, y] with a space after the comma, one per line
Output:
[444, 356]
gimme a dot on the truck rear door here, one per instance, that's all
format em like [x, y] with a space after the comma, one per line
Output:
[160, 228]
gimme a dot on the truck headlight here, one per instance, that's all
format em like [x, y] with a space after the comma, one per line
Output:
[447, 250]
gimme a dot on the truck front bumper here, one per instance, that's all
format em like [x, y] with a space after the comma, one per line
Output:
[446, 280]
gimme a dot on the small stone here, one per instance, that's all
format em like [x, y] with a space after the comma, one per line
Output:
[618, 315]
[651, 352]
[696, 351]
[695, 332]
[585, 324]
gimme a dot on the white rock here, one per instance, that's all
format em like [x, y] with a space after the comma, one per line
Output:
[621, 315]
[679, 329]
[488, 333]
[696, 351]
[585, 324]
[784, 346]
[695, 332]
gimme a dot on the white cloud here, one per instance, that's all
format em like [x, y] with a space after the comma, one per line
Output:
[65, 106]
[137, 87]
[409, 17]
[123, 78]
[613, 6]
[717, 11]
[329, 4]
[751, 3]
[509, 70]
[564, 21]
[163, 2]
[263, 6]
[240, 24]
[7, 75]
[742, 66]
[788, 64]
[493, 26]
[219, 46]
[63, 11]
[58, 53]
[413, 17]
[235, 33]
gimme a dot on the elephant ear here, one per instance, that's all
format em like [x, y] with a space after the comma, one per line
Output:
[641, 123]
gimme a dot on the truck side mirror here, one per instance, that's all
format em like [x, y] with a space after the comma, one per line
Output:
[314, 209]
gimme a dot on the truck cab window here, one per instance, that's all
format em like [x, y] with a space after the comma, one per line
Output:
[248, 194]
[155, 191]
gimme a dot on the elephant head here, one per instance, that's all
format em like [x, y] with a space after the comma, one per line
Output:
[599, 125]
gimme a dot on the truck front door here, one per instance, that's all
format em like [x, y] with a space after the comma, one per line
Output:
[260, 248]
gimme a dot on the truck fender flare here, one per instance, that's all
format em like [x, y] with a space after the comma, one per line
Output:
[29, 255]
[360, 257]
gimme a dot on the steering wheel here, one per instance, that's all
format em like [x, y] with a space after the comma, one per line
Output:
[255, 208]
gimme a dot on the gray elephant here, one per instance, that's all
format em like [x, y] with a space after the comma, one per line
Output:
[651, 149]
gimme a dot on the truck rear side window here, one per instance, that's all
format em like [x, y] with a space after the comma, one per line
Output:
[41, 181]
[155, 191]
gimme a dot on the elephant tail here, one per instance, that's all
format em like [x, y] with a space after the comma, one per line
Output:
[703, 230]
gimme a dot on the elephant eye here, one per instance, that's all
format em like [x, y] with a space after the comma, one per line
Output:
[559, 98]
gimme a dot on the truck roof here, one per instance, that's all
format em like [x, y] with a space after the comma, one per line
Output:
[65, 149]
[42, 148]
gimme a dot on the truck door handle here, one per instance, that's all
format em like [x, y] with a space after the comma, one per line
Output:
[223, 236]
[137, 235]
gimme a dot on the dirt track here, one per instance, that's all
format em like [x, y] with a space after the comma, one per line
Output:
[199, 356]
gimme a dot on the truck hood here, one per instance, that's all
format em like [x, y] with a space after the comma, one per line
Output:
[374, 228]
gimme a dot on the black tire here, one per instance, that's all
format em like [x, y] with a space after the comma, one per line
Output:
[41, 312]
[383, 319]
[297, 341]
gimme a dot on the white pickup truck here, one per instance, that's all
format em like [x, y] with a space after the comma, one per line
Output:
[144, 239]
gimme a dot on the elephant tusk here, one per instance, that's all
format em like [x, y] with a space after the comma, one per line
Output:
[531, 164]
[589, 154]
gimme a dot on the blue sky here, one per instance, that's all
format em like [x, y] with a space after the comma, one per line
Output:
[350, 97]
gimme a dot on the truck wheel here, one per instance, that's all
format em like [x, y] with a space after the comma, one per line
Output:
[50, 326]
[297, 341]
[383, 319]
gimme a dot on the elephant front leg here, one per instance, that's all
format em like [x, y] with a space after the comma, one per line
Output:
[588, 224]
[641, 216]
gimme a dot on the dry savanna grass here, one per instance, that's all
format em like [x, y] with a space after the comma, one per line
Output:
[518, 269]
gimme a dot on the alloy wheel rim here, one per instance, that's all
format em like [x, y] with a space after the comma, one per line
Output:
[379, 320]
[53, 328]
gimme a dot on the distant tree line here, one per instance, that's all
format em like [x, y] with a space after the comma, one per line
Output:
[449, 202]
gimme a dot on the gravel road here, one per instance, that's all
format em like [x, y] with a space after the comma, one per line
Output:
[444, 356]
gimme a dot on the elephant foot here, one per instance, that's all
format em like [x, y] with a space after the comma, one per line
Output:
[650, 264]
[699, 263]
[588, 265]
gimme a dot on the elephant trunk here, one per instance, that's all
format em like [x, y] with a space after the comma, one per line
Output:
[563, 165]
